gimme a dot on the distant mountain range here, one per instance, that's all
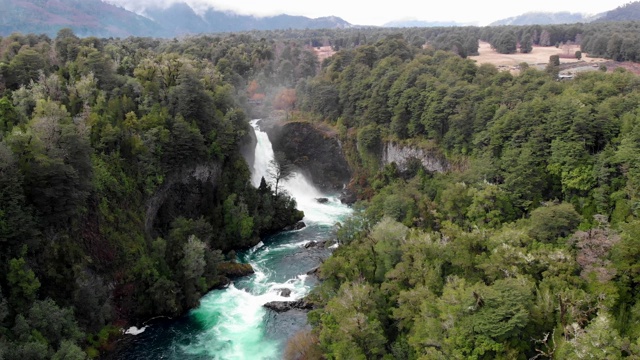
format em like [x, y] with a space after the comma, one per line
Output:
[101, 19]
[420, 23]
[180, 18]
[85, 17]
[627, 12]
[543, 18]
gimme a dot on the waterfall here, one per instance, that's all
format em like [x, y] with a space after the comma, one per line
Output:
[298, 186]
[232, 323]
[263, 155]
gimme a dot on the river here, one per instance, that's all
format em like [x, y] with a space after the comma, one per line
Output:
[232, 323]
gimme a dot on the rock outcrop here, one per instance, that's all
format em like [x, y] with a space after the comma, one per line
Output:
[315, 150]
[348, 196]
[284, 292]
[228, 271]
[248, 147]
[282, 306]
[297, 226]
[315, 244]
[234, 270]
[432, 161]
[179, 191]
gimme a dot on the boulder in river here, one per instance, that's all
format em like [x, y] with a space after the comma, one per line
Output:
[284, 292]
[348, 197]
[315, 245]
[322, 200]
[297, 226]
[282, 306]
[234, 269]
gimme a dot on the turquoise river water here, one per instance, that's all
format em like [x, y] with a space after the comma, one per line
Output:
[232, 324]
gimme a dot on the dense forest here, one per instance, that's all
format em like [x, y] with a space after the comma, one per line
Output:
[123, 194]
[525, 247]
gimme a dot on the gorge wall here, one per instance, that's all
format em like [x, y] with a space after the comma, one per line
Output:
[402, 155]
[186, 192]
[248, 147]
[313, 149]
[318, 152]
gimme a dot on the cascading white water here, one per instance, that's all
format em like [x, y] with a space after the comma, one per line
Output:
[232, 323]
[298, 186]
[263, 155]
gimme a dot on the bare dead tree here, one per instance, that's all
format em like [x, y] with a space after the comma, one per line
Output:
[280, 169]
[549, 348]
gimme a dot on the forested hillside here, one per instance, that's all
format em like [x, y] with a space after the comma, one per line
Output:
[86, 17]
[626, 12]
[526, 246]
[123, 193]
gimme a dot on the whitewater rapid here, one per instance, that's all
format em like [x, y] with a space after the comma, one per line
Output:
[233, 324]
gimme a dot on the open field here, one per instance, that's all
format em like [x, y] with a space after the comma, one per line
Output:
[323, 52]
[539, 56]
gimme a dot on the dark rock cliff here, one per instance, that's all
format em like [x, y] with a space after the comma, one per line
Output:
[248, 147]
[186, 192]
[314, 150]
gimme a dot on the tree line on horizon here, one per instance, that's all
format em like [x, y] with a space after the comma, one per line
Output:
[612, 40]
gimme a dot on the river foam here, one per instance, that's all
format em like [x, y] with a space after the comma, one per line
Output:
[232, 324]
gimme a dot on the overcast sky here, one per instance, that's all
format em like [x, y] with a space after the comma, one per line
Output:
[374, 12]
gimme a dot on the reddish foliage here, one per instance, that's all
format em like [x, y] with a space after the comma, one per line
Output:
[285, 100]
[252, 88]
[303, 345]
[257, 97]
[593, 249]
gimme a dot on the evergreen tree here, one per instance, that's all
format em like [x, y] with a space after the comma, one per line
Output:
[526, 44]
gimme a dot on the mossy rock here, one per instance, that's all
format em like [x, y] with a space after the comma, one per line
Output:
[233, 269]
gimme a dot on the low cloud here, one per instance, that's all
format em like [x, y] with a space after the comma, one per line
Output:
[199, 6]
